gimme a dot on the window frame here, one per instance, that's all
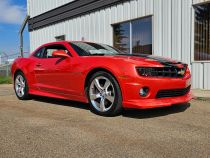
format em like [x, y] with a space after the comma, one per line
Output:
[54, 45]
[130, 22]
[45, 48]
[193, 15]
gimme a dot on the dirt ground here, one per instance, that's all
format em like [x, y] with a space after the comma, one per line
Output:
[44, 127]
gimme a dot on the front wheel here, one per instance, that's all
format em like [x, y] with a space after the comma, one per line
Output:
[104, 94]
[21, 86]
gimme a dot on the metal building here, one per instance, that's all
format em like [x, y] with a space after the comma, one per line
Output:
[179, 29]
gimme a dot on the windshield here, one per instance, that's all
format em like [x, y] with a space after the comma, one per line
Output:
[88, 49]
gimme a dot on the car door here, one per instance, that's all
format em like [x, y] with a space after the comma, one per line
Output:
[53, 74]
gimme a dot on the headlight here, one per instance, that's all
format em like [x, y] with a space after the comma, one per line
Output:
[143, 71]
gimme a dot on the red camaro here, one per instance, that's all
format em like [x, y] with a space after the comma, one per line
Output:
[101, 75]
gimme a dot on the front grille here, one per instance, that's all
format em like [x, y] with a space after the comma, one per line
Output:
[170, 72]
[172, 93]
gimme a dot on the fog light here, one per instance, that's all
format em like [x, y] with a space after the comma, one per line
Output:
[144, 91]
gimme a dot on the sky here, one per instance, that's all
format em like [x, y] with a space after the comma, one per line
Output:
[12, 14]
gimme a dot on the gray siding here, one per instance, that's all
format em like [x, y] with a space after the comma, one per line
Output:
[36, 7]
[173, 29]
[94, 26]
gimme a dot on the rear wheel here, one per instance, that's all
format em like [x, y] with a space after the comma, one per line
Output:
[104, 94]
[21, 86]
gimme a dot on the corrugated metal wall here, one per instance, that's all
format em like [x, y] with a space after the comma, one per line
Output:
[36, 7]
[95, 26]
[173, 29]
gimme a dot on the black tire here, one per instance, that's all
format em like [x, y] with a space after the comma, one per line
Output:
[26, 94]
[116, 107]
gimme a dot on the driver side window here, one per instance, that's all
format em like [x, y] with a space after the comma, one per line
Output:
[49, 53]
[50, 49]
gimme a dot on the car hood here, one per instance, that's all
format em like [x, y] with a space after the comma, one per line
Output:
[148, 60]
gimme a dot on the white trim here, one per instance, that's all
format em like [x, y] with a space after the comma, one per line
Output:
[153, 27]
[192, 34]
[133, 19]
[131, 36]
[204, 61]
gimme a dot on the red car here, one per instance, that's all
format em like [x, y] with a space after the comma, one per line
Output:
[101, 75]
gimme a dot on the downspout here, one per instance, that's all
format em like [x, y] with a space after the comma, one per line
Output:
[21, 33]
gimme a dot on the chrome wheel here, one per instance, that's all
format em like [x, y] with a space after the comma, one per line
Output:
[102, 94]
[20, 85]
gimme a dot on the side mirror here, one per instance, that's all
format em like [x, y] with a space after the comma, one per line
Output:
[60, 53]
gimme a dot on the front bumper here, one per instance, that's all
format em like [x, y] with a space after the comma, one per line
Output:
[155, 103]
[132, 99]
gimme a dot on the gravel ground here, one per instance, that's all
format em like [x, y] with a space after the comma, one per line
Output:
[44, 127]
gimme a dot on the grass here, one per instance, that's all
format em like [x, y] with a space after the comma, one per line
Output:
[5, 80]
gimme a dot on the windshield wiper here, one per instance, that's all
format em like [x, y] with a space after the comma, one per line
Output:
[96, 54]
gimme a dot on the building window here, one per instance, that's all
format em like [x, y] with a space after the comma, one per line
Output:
[122, 37]
[60, 38]
[202, 32]
[142, 36]
[134, 36]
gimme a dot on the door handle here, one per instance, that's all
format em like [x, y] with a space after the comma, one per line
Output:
[38, 65]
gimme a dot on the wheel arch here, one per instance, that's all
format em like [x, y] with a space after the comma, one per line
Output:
[16, 71]
[93, 71]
